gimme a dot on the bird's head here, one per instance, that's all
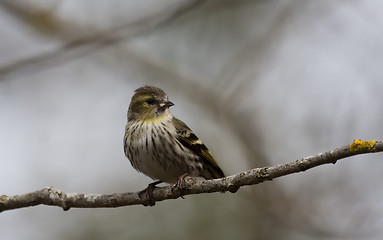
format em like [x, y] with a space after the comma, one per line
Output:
[149, 104]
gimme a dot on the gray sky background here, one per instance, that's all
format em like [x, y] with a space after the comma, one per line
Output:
[260, 82]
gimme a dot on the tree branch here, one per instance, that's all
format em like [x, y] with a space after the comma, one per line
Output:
[88, 44]
[52, 197]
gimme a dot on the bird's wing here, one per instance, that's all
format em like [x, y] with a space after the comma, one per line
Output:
[188, 139]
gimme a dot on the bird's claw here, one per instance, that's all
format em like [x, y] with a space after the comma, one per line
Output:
[179, 185]
[148, 192]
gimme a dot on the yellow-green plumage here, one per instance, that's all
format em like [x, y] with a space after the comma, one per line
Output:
[162, 146]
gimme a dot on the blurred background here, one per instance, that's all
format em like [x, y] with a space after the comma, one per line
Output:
[260, 82]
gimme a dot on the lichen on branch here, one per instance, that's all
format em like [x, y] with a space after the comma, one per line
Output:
[52, 197]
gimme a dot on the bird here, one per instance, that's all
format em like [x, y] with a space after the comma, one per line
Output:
[160, 145]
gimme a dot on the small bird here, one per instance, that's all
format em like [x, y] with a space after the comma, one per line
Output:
[162, 146]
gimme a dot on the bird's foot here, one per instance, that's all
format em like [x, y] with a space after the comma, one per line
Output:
[179, 185]
[149, 193]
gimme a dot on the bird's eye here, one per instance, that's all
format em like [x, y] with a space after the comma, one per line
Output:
[150, 101]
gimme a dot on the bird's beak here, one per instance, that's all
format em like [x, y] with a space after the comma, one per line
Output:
[166, 103]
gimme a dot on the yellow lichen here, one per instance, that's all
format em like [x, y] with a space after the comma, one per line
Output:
[4, 199]
[263, 174]
[362, 146]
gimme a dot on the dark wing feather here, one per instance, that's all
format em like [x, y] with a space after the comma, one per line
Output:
[189, 140]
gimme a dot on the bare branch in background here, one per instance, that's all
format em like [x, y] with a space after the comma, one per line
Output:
[87, 44]
[245, 67]
[52, 197]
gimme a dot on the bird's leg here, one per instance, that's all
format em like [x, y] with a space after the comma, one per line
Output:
[149, 193]
[180, 183]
